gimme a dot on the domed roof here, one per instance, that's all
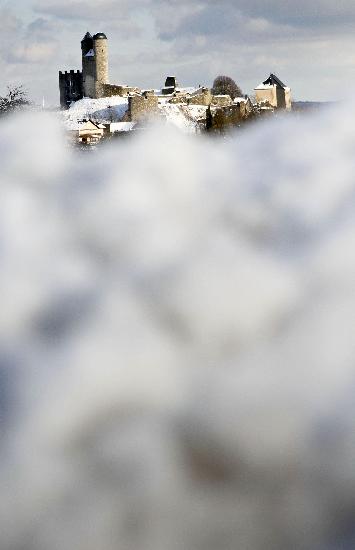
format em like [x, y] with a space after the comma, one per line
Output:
[100, 35]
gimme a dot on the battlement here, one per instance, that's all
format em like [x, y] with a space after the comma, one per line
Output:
[63, 73]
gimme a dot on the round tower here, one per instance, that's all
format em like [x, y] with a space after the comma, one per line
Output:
[101, 62]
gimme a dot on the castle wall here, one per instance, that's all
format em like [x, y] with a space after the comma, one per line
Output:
[288, 99]
[178, 98]
[70, 87]
[222, 119]
[142, 106]
[205, 98]
[279, 98]
[110, 90]
[267, 94]
[222, 100]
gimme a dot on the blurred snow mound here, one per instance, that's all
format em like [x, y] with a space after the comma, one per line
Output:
[177, 339]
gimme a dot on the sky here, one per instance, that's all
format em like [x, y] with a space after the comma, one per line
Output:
[310, 45]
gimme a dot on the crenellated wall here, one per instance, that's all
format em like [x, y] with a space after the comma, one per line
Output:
[70, 87]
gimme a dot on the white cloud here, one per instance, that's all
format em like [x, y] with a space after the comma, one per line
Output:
[33, 53]
[195, 41]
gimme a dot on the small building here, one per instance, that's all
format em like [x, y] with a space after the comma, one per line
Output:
[88, 131]
[274, 92]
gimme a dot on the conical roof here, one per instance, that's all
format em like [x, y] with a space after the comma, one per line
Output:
[87, 43]
[87, 36]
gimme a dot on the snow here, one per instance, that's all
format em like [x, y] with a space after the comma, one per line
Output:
[183, 117]
[121, 126]
[263, 86]
[111, 111]
[240, 100]
[104, 110]
[188, 90]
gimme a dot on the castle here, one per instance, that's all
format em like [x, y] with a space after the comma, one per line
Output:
[93, 80]
[203, 107]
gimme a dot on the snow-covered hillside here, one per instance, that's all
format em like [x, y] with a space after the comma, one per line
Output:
[104, 110]
[113, 109]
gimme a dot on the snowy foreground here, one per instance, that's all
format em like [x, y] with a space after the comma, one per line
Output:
[177, 339]
[113, 109]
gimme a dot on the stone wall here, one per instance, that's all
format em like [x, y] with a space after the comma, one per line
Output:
[222, 100]
[279, 98]
[222, 119]
[267, 94]
[110, 90]
[178, 98]
[203, 98]
[142, 106]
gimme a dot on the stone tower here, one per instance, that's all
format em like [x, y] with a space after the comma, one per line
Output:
[101, 63]
[88, 62]
[94, 52]
[93, 80]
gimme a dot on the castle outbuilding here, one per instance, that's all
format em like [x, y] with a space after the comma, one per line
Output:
[275, 92]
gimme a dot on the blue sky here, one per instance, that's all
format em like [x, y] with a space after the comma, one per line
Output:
[309, 45]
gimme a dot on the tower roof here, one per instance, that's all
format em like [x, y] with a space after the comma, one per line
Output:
[87, 36]
[87, 43]
[100, 36]
[273, 80]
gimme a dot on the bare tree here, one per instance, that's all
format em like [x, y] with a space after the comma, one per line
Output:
[16, 98]
[225, 85]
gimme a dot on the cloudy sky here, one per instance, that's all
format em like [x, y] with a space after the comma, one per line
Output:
[309, 44]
